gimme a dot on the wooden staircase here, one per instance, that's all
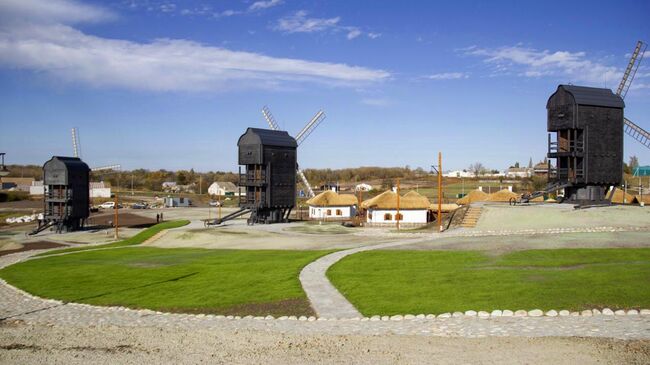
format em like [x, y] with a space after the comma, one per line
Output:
[471, 217]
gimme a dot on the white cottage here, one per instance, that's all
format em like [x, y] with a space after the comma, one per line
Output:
[223, 188]
[382, 209]
[331, 205]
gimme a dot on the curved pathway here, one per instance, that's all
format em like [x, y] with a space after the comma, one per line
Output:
[16, 305]
[324, 297]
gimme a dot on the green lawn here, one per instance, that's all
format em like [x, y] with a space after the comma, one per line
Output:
[135, 240]
[238, 282]
[399, 282]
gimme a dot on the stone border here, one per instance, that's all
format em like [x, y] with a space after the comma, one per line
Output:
[398, 317]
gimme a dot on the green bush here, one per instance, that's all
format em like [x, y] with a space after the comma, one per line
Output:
[12, 196]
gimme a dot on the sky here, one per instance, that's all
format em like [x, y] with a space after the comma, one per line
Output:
[173, 84]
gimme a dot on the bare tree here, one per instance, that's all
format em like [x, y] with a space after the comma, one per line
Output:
[477, 169]
[634, 162]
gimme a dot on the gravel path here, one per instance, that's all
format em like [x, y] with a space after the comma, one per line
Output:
[323, 296]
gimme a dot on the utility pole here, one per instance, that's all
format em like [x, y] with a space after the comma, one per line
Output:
[116, 219]
[200, 185]
[397, 215]
[131, 184]
[439, 191]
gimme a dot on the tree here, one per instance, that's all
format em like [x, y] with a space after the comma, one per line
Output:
[477, 169]
[181, 178]
[634, 163]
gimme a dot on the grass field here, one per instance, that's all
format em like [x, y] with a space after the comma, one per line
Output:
[401, 282]
[181, 280]
[135, 240]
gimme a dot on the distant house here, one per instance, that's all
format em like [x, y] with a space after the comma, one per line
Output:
[458, 174]
[224, 188]
[363, 187]
[37, 188]
[520, 172]
[330, 186]
[383, 209]
[172, 202]
[99, 190]
[541, 169]
[169, 186]
[172, 187]
[331, 205]
[17, 183]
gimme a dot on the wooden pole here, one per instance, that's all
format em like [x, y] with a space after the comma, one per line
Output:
[116, 219]
[439, 191]
[397, 215]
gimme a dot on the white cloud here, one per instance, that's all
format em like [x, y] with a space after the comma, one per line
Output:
[353, 33]
[448, 76]
[376, 101]
[298, 22]
[260, 5]
[52, 11]
[530, 62]
[67, 54]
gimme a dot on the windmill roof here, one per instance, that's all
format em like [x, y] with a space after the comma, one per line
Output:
[595, 96]
[267, 137]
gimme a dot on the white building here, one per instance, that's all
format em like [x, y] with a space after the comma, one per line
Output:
[382, 209]
[363, 187]
[172, 202]
[331, 205]
[521, 172]
[37, 188]
[99, 190]
[458, 174]
[223, 188]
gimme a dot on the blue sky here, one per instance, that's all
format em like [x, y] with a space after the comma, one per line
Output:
[172, 84]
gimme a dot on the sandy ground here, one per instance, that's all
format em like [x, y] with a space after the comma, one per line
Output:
[291, 236]
[502, 244]
[541, 216]
[21, 343]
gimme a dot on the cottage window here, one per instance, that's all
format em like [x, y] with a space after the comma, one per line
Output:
[388, 217]
[339, 212]
[329, 212]
[399, 217]
[369, 215]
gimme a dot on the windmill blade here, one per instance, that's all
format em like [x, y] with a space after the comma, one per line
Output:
[76, 148]
[269, 118]
[302, 176]
[630, 70]
[104, 168]
[636, 132]
[310, 126]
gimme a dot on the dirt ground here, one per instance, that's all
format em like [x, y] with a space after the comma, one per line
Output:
[21, 344]
[504, 244]
[21, 205]
[543, 216]
[37, 245]
[290, 236]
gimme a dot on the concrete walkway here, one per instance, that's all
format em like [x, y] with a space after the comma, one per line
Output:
[325, 299]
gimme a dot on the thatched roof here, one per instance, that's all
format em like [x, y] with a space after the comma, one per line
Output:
[446, 208]
[330, 198]
[388, 200]
[502, 196]
[473, 196]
